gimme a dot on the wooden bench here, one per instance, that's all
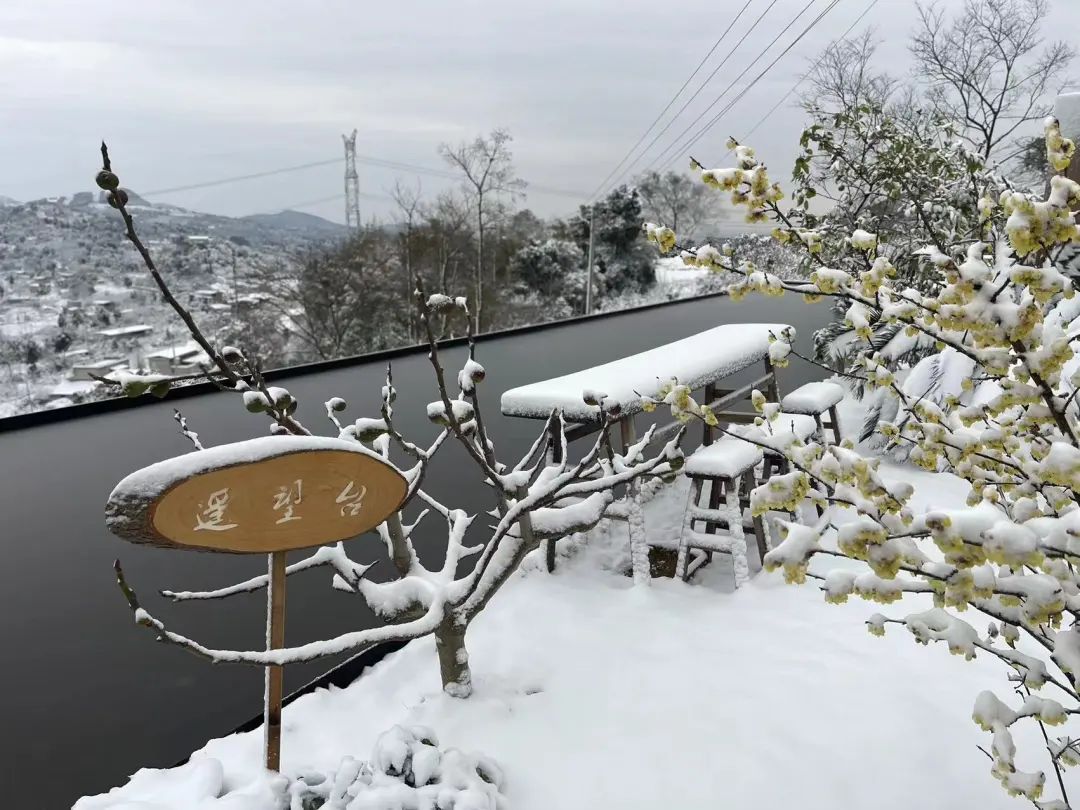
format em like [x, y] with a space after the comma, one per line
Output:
[728, 466]
[699, 362]
[815, 399]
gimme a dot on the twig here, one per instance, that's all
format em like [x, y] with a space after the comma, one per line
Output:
[187, 432]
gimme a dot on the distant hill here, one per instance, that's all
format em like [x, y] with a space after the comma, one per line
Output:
[298, 221]
[6, 201]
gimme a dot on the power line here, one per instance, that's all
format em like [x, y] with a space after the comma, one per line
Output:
[757, 78]
[813, 67]
[365, 159]
[701, 87]
[662, 157]
[240, 177]
[671, 101]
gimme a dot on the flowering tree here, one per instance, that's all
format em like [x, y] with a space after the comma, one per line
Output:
[542, 496]
[908, 178]
[1010, 555]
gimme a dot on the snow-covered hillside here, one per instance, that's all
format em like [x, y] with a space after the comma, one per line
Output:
[75, 300]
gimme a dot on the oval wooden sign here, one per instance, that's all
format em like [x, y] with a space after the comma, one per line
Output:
[270, 494]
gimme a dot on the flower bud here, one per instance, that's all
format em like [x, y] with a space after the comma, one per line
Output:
[107, 181]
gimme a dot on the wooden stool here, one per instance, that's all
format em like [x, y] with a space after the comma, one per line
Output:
[787, 427]
[780, 433]
[814, 399]
[729, 466]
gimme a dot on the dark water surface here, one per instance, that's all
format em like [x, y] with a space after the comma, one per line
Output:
[87, 697]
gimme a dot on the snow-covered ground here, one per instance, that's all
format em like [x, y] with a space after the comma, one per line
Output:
[591, 693]
[672, 273]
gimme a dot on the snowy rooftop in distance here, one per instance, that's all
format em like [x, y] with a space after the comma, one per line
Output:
[67, 388]
[124, 331]
[672, 270]
[179, 351]
[696, 361]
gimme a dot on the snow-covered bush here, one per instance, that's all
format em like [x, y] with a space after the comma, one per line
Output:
[540, 497]
[407, 769]
[552, 270]
[898, 180]
[1010, 556]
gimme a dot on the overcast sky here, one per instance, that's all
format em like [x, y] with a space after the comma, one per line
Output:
[198, 90]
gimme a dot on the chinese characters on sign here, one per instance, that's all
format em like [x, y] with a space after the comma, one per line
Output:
[286, 498]
[352, 500]
[211, 513]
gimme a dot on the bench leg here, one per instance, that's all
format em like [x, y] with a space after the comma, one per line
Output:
[738, 539]
[835, 423]
[773, 387]
[687, 528]
[639, 542]
[759, 527]
[716, 489]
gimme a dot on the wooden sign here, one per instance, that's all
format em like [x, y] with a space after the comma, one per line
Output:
[267, 496]
[270, 494]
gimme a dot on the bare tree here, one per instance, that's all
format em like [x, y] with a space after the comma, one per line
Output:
[408, 202]
[988, 68]
[843, 78]
[487, 169]
[326, 296]
[673, 197]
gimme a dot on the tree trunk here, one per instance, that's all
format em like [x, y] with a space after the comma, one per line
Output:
[453, 658]
[479, 261]
[410, 332]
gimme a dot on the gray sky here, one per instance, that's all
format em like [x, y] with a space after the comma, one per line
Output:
[199, 90]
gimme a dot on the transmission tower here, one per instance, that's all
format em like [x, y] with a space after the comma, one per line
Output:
[352, 182]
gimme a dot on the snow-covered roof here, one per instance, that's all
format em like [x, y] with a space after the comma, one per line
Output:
[180, 351]
[696, 361]
[122, 331]
[108, 362]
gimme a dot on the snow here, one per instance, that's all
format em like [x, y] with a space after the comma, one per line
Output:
[781, 431]
[728, 458]
[695, 361]
[462, 411]
[126, 331]
[67, 388]
[672, 271]
[668, 696]
[812, 398]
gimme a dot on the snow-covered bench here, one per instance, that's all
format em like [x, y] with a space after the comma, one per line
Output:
[728, 467]
[815, 399]
[700, 362]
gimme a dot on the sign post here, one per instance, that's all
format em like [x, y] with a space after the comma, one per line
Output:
[263, 496]
[275, 675]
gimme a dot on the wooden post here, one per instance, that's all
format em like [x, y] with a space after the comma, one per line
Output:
[554, 456]
[275, 640]
[707, 435]
[773, 385]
